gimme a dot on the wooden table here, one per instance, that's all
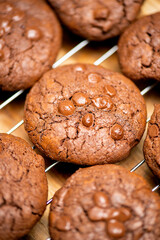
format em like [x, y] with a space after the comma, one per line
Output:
[13, 113]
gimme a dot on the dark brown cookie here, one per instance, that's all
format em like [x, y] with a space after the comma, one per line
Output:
[139, 49]
[85, 114]
[30, 37]
[152, 142]
[102, 203]
[97, 20]
[23, 187]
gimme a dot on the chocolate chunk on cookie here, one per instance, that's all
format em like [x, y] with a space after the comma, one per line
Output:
[30, 38]
[97, 20]
[23, 187]
[139, 49]
[105, 202]
[85, 114]
[152, 142]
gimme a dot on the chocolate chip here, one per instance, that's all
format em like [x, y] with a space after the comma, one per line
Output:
[80, 68]
[135, 224]
[63, 223]
[115, 229]
[66, 107]
[121, 214]
[101, 199]
[153, 131]
[33, 34]
[5, 24]
[6, 7]
[94, 77]
[87, 120]
[117, 132]
[80, 99]
[103, 102]
[110, 90]
[97, 214]
[17, 16]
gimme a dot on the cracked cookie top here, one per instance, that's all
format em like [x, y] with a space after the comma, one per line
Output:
[99, 19]
[139, 49]
[30, 37]
[85, 114]
[105, 202]
[152, 142]
[23, 187]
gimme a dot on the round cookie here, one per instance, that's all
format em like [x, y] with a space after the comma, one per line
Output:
[139, 49]
[85, 114]
[151, 147]
[23, 187]
[105, 202]
[30, 38]
[97, 20]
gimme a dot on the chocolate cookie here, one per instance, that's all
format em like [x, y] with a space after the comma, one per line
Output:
[30, 37]
[23, 187]
[102, 203]
[152, 142]
[139, 49]
[85, 114]
[97, 20]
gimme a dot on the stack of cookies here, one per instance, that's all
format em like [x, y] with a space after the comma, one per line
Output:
[81, 114]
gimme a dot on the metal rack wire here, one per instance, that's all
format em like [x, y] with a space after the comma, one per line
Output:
[77, 48]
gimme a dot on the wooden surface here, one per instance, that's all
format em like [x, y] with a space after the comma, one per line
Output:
[13, 113]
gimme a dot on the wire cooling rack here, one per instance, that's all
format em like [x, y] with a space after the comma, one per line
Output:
[104, 57]
[10, 102]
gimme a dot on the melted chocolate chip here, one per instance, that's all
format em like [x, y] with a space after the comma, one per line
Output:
[103, 102]
[66, 107]
[110, 90]
[87, 120]
[94, 77]
[80, 68]
[101, 13]
[97, 214]
[135, 224]
[80, 99]
[115, 229]
[33, 34]
[6, 7]
[101, 199]
[63, 223]
[5, 24]
[117, 132]
[18, 16]
[1, 54]
[121, 214]
[153, 131]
